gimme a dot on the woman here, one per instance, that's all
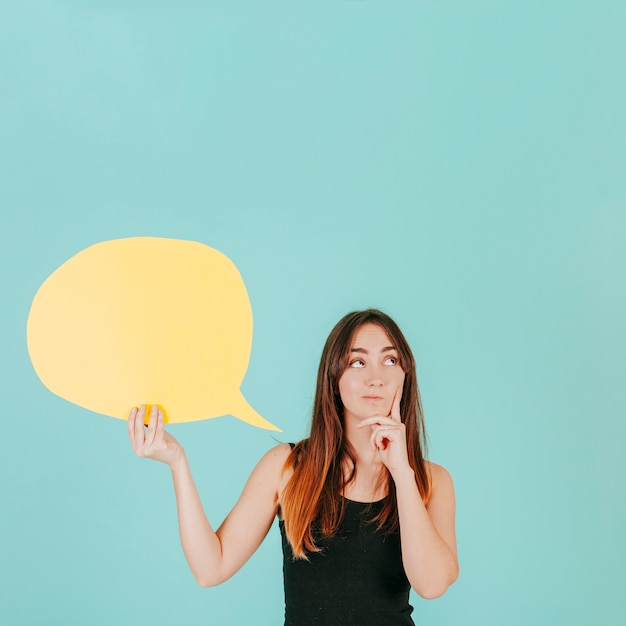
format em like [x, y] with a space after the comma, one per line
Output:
[364, 516]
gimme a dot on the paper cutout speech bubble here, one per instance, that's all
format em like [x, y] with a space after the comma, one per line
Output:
[145, 320]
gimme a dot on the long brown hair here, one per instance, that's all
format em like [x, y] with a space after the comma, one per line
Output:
[319, 462]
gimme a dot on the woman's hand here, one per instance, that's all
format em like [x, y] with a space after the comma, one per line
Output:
[153, 442]
[389, 437]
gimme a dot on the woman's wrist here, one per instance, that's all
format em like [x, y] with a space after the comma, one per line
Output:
[179, 460]
[403, 476]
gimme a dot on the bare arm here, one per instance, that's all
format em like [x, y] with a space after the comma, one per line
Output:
[212, 556]
[427, 531]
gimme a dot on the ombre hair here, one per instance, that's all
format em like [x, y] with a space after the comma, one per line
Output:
[325, 463]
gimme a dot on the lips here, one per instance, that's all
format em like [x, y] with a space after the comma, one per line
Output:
[373, 398]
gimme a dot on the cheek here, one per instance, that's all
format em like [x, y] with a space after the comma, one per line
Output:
[397, 380]
[347, 387]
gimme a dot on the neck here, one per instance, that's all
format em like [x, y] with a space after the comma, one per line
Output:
[359, 439]
[367, 460]
[368, 484]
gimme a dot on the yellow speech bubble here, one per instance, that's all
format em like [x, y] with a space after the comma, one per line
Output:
[145, 320]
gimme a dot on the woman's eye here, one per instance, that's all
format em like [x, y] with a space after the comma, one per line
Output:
[357, 363]
[391, 360]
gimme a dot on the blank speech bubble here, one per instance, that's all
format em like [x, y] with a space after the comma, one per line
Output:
[145, 320]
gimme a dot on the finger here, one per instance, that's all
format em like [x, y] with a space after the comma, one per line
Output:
[152, 425]
[378, 420]
[139, 420]
[395, 405]
[160, 428]
[393, 429]
[381, 438]
[130, 425]
[374, 441]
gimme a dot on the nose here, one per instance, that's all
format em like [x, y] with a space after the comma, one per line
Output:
[375, 378]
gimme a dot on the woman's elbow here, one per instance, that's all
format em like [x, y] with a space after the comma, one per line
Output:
[435, 589]
[206, 579]
[431, 593]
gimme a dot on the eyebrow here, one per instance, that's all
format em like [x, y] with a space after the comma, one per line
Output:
[364, 351]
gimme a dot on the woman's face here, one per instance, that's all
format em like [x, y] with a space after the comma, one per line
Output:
[373, 376]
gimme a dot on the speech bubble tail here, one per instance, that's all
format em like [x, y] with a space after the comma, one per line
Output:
[240, 409]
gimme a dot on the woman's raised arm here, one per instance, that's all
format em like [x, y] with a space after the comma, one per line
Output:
[427, 533]
[212, 556]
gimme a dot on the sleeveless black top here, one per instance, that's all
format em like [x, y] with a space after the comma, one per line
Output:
[357, 579]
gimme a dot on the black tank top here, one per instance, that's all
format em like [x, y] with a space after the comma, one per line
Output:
[357, 579]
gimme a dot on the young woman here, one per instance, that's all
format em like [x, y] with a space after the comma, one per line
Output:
[363, 516]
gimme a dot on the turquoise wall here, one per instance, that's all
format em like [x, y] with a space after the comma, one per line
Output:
[458, 164]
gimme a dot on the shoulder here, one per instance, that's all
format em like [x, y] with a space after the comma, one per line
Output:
[267, 476]
[441, 481]
[437, 472]
[274, 459]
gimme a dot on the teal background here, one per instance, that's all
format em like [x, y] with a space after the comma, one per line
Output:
[458, 164]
